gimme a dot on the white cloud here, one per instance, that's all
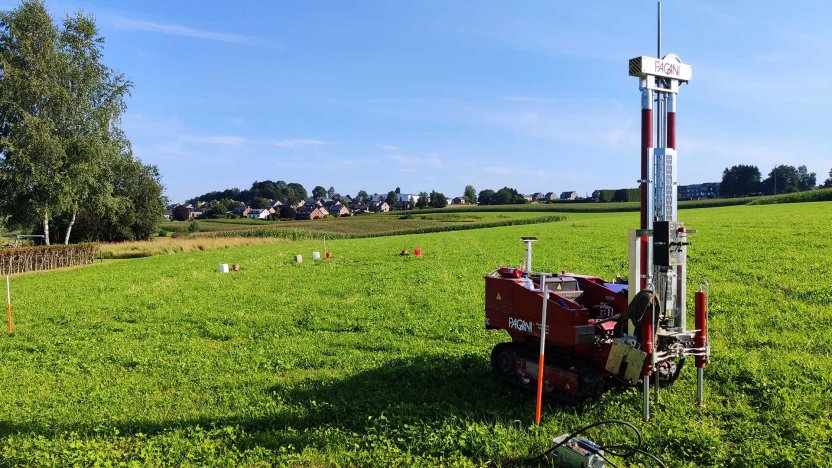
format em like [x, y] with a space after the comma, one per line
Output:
[299, 142]
[214, 140]
[121, 22]
[414, 162]
[389, 147]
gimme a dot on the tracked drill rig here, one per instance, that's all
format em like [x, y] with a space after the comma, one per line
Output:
[599, 333]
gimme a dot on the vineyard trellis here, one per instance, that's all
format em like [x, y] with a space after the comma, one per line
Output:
[26, 259]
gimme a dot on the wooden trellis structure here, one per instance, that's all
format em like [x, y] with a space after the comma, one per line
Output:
[26, 259]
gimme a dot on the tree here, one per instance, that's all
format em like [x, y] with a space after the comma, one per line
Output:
[423, 200]
[31, 183]
[739, 181]
[61, 145]
[486, 197]
[215, 209]
[319, 192]
[506, 196]
[438, 200]
[828, 183]
[260, 203]
[361, 196]
[94, 104]
[398, 190]
[181, 213]
[470, 194]
[392, 198]
[806, 180]
[781, 179]
[331, 192]
[295, 193]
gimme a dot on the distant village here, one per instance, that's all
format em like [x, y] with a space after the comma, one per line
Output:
[332, 204]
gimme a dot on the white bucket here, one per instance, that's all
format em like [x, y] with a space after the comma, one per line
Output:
[298, 259]
[316, 255]
[223, 268]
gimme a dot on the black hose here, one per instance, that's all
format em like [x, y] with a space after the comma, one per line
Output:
[628, 450]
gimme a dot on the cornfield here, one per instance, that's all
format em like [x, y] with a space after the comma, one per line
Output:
[26, 259]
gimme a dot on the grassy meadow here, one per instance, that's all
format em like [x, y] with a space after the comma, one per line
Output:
[376, 359]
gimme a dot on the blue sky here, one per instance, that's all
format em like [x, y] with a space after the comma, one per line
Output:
[436, 94]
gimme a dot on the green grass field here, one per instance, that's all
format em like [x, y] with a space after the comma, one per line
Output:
[377, 359]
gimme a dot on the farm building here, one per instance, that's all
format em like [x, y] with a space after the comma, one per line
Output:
[241, 211]
[697, 191]
[550, 196]
[379, 207]
[310, 212]
[338, 210]
[569, 195]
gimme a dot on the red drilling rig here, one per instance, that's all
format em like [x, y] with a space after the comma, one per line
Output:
[600, 333]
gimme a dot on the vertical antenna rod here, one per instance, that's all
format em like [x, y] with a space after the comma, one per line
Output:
[659, 33]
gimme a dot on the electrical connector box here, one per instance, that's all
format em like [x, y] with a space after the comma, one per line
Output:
[667, 243]
[577, 452]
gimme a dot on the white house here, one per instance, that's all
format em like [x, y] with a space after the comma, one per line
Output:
[259, 214]
[409, 198]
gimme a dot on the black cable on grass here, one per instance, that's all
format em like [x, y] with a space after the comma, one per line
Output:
[622, 451]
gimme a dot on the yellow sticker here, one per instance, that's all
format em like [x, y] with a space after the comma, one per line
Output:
[498, 296]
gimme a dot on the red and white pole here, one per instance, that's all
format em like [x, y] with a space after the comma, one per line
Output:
[700, 340]
[647, 324]
[542, 359]
[646, 145]
[9, 302]
[671, 120]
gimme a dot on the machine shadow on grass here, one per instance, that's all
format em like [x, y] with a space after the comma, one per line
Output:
[424, 389]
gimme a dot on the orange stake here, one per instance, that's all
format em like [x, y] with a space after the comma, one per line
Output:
[539, 391]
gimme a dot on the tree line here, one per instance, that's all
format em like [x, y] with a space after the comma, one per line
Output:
[66, 167]
[504, 196]
[744, 180]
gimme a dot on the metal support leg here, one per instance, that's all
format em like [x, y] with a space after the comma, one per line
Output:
[700, 386]
[646, 407]
[657, 387]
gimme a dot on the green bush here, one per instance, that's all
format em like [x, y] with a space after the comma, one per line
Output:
[797, 197]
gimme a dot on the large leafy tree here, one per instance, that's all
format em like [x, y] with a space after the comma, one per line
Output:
[782, 179]
[319, 192]
[470, 194]
[828, 182]
[806, 180]
[89, 119]
[31, 98]
[61, 146]
[740, 180]
[423, 200]
[438, 199]
[486, 197]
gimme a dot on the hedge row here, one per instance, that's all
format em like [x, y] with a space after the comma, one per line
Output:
[309, 235]
[797, 197]
[26, 259]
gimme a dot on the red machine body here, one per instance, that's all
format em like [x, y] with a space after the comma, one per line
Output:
[586, 317]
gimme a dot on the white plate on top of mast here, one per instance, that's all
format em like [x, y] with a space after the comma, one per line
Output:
[670, 66]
